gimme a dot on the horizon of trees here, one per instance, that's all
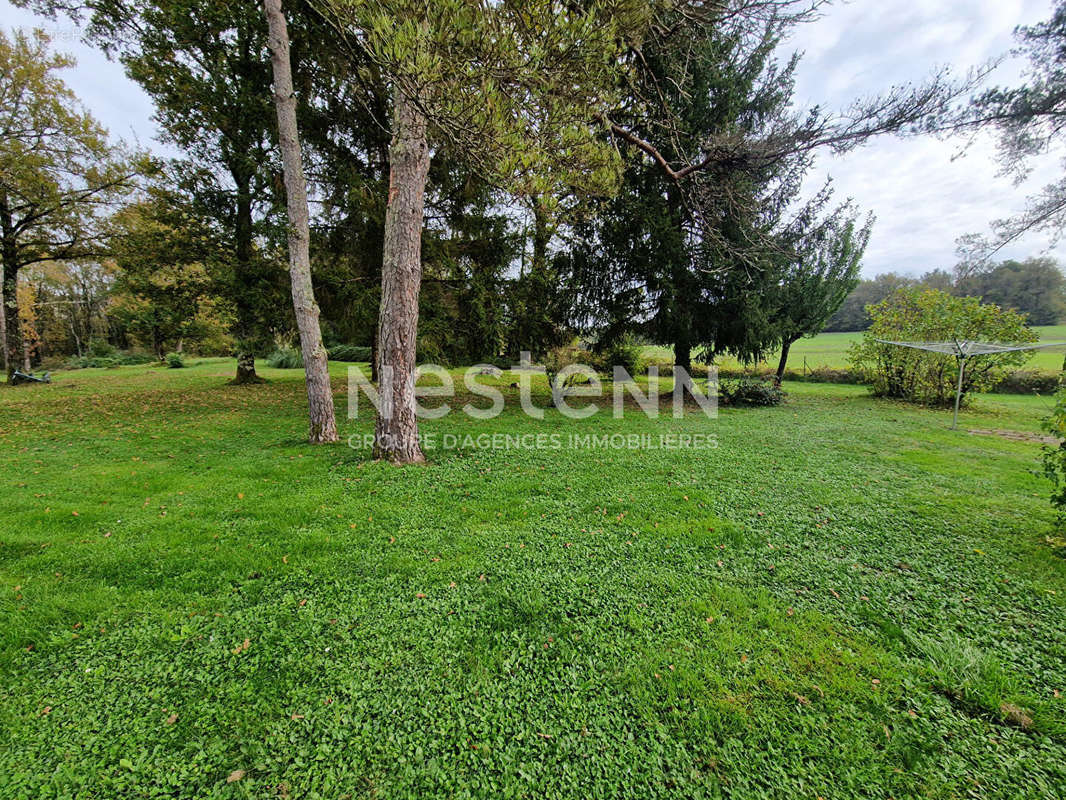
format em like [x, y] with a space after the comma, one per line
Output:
[1035, 286]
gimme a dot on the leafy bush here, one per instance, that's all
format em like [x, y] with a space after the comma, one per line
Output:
[750, 392]
[349, 352]
[100, 348]
[286, 358]
[623, 353]
[1055, 455]
[665, 366]
[116, 359]
[930, 315]
[175, 360]
[558, 359]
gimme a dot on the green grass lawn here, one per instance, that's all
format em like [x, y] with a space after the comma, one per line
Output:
[843, 599]
[830, 350]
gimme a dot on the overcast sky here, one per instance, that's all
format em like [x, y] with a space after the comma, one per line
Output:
[923, 198]
[922, 191]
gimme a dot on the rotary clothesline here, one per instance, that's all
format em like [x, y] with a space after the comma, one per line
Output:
[968, 349]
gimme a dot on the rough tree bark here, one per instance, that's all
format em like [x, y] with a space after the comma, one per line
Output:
[542, 235]
[3, 320]
[784, 360]
[319, 393]
[12, 334]
[374, 357]
[396, 429]
[244, 235]
[9, 293]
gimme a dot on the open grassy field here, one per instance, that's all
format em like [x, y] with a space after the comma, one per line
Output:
[842, 599]
[830, 350]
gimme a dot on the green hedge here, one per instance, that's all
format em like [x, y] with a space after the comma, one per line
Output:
[1024, 381]
[816, 375]
[349, 352]
[1029, 381]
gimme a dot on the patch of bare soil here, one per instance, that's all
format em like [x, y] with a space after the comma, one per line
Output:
[1018, 436]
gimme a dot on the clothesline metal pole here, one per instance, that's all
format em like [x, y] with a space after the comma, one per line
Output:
[958, 394]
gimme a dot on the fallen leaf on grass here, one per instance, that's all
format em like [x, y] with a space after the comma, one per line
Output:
[235, 776]
[1016, 716]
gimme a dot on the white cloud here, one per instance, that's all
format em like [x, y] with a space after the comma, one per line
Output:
[924, 194]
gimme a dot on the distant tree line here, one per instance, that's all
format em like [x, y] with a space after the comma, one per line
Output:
[1036, 287]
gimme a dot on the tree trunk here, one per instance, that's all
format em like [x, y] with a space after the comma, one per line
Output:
[681, 323]
[3, 319]
[12, 331]
[396, 430]
[9, 292]
[374, 356]
[683, 351]
[542, 234]
[246, 369]
[27, 358]
[316, 368]
[243, 300]
[784, 360]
